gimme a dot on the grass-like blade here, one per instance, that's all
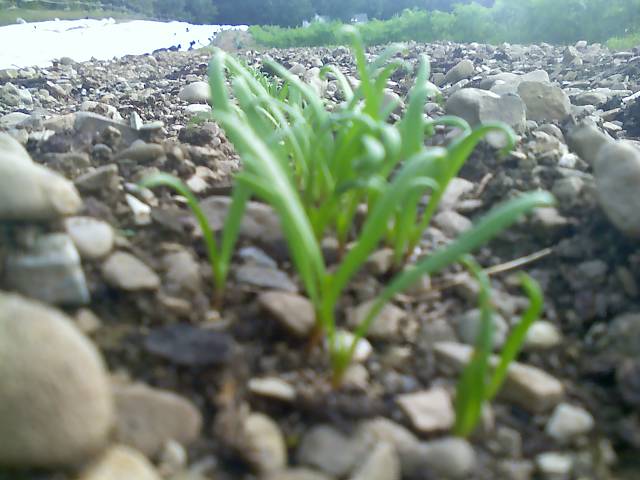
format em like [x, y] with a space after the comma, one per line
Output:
[517, 336]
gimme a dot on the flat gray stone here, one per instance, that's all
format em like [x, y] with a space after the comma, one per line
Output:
[93, 238]
[480, 106]
[126, 272]
[49, 271]
[462, 70]
[428, 411]
[102, 178]
[92, 125]
[544, 101]
[265, 278]
[328, 450]
[147, 418]
[293, 311]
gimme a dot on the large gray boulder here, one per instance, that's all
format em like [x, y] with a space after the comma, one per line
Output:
[56, 406]
[586, 141]
[617, 176]
[544, 101]
[478, 106]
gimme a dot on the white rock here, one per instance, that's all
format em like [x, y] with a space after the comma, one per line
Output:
[554, 465]
[265, 449]
[542, 335]
[381, 464]
[93, 238]
[123, 270]
[428, 411]
[567, 422]
[29, 191]
[54, 393]
[386, 325]
[450, 458]
[172, 459]
[119, 463]
[452, 223]
[272, 387]
[196, 92]
[197, 108]
[141, 211]
[363, 348]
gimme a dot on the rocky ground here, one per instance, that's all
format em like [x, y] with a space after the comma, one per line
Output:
[113, 364]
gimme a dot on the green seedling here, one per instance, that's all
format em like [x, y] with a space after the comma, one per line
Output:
[314, 167]
[482, 378]
[270, 85]
[219, 255]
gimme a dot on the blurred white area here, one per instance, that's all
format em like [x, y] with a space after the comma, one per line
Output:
[31, 44]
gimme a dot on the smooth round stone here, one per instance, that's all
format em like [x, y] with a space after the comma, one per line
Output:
[56, 407]
[617, 175]
[196, 92]
[118, 463]
[265, 448]
[30, 191]
[147, 418]
[93, 238]
[542, 335]
[123, 270]
[197, 108]
[568, 421]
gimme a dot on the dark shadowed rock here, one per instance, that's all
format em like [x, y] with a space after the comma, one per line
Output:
[190, 346]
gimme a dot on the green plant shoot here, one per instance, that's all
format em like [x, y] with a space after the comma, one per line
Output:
[483, 376]
[219, 256]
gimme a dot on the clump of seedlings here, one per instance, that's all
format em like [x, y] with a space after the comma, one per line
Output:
[315, 166]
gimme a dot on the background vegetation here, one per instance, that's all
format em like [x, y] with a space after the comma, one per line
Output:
[492, 21]
[514, 21]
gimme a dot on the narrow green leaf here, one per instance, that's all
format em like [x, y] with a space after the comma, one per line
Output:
[517, 337]
[497, 220]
